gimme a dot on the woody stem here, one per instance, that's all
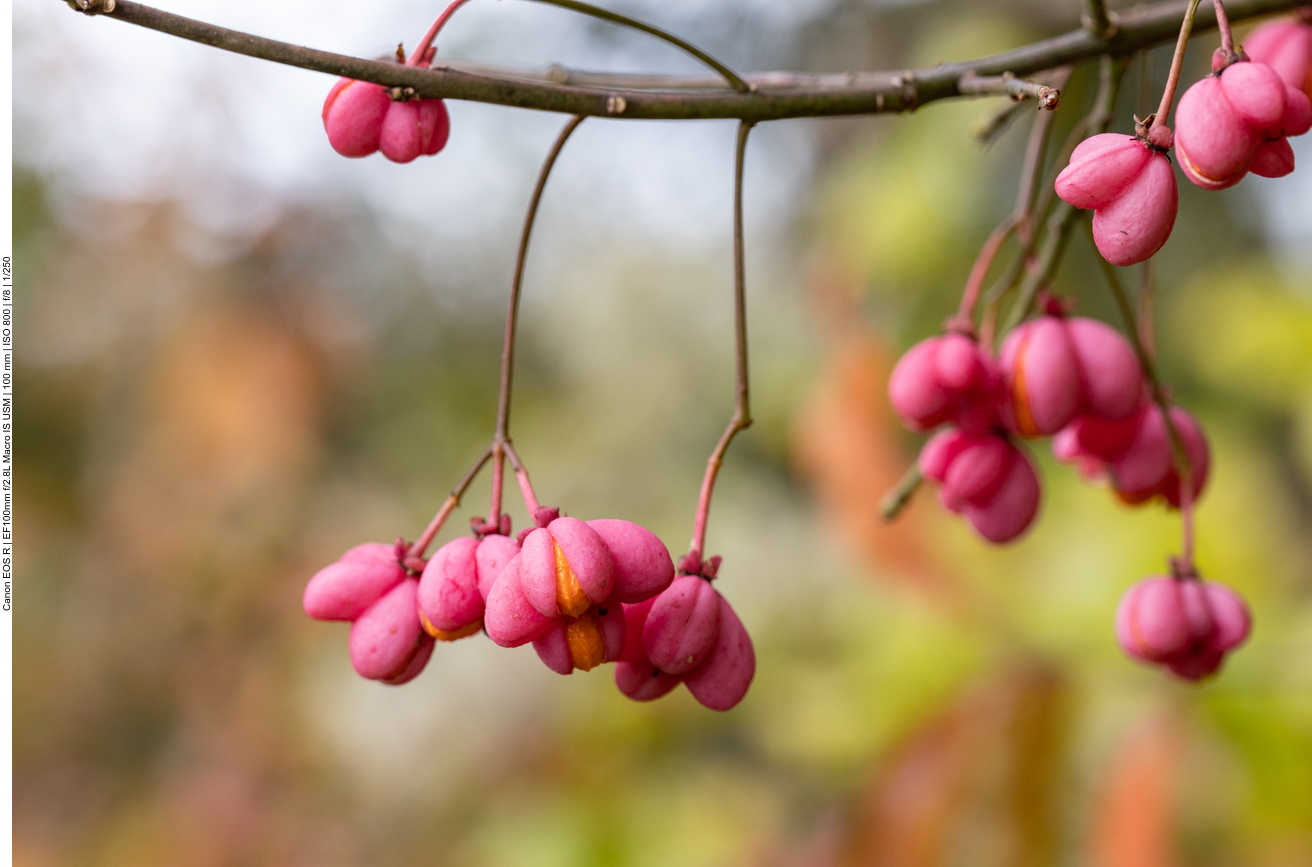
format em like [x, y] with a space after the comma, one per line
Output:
[501, 438]
[448, 506]
[1180, 455]
[742, 413]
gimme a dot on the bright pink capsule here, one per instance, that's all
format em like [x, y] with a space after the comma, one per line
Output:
[635, 675]
[723, 679]
[343, 590]
[1195, 446]
[565, 568]
[682, 626]
[1137, 224]
[419, 127]
[977, 472]
[1042, 374]
[643, 567]
[353, 116]
[1130, 187]
[451, 590]
[1151, 621]
[1110, 376]
[1286, 47]
[387, 638]
[1223, 121]
[584, 642]
[1182, 623]
[944, 379]
[1013, 507]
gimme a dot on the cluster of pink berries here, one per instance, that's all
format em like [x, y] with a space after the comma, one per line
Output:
[1078, 381]
[1182, 623]
[583, 593]
[1233, 122]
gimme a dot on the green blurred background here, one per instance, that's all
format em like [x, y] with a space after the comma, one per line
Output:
[240, 355]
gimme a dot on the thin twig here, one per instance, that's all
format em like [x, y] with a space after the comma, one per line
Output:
[448, 506]
[1063, 214]
[517, 283]
[897, 498]
[1049, 98]
[864, 93]
[1031, 172]
[742, 411]
[417, 56]
[1177, 62]
[501, 437]
[1183, 462]
[735, 81]
[1097, 20]
[521, 475]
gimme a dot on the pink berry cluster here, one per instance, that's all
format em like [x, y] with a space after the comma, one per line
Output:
[583, 593]
[1181, 623]
[1080, 382]
[1235, 121]
[1068, 377]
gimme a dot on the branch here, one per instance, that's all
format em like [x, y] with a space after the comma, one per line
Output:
[777, 96]
[1007, 84]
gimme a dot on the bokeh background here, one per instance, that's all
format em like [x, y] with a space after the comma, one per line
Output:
[240, 355]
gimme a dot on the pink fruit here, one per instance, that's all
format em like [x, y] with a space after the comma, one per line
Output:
[643, 567]
[448, 597]
[387, 638]
[939, 451]
[1286, 47]
[1110, 376]
[345, 589]
[1131, 188]
[1101, 168]
[1230, 614]
[1224, 120]
[1141, 469]
[635, 676]
[491, 556]
[1042, 374]
[1011, 510]
[642, 681]
[565, 567]
[353, 116]
[682, 626]
[944, 379]
[1136, 225]
[414, 128]
[978, 471]
[722, 680]
[1151, 623]
[584, 642]
[1195, 445]
[509, 618]
[451, 591]
[1182, 623]
[984, 477]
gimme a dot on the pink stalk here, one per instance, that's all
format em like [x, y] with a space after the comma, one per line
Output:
[417, 56]
[1177, 61]
[448, 506]
[742, 412]
[1223, 24]
[498, 474]
[521, 476]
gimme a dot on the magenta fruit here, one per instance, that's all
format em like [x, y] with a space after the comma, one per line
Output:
[1130, 186]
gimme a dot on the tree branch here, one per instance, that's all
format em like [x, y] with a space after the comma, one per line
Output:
[776, 96]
